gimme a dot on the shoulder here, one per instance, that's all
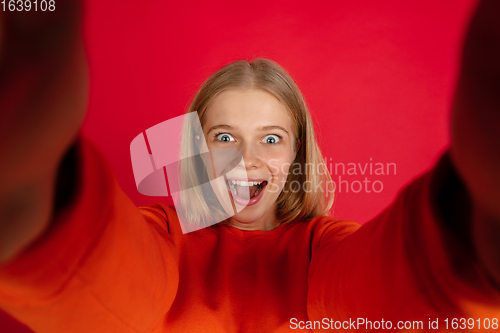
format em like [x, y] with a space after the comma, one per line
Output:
[327, 230]
[157, 210]
[162, 214]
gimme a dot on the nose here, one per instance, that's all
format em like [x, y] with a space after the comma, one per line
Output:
[251, 157]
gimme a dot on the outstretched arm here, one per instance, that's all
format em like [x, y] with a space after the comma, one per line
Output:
[475, 147]
[98, 255]
[435, 252]
[42, 101]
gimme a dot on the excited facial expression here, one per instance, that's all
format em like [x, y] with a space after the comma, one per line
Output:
[258, 125]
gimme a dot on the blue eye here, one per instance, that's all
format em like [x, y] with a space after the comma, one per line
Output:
[271, 139]
[224, 137]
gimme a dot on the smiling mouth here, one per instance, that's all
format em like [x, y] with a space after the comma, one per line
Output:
[246, 190]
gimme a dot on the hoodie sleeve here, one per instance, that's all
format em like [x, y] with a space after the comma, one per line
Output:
[100, 256]
[407, 264]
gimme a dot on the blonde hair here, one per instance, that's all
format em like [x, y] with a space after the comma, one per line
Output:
[266, 75]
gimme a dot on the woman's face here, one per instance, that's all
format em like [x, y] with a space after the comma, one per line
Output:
[258, 125]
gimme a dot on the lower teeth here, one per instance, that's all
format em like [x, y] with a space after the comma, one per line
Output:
[258, 191]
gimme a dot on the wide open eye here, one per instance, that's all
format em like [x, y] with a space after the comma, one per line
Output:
[225, 137]
[271, 139]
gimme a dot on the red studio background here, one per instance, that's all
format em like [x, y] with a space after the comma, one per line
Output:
[378, 77]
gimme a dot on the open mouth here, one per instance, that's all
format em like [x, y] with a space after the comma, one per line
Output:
[246, 189]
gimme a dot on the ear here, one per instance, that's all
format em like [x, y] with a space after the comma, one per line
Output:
[197, 142]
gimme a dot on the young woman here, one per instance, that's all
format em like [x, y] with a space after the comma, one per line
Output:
[89, 260]
[254, 108]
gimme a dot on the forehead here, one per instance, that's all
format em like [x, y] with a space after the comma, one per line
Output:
[247, 109]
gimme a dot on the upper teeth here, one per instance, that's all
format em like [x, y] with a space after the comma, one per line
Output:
[244, 183]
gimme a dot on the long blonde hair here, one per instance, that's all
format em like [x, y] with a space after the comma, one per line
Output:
[317, 198]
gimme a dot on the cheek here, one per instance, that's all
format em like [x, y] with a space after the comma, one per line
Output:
[279, 164]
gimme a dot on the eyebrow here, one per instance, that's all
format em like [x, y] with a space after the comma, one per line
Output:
[219, 126]
[264, 128]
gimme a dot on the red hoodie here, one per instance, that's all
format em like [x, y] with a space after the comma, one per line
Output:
[107, 266]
